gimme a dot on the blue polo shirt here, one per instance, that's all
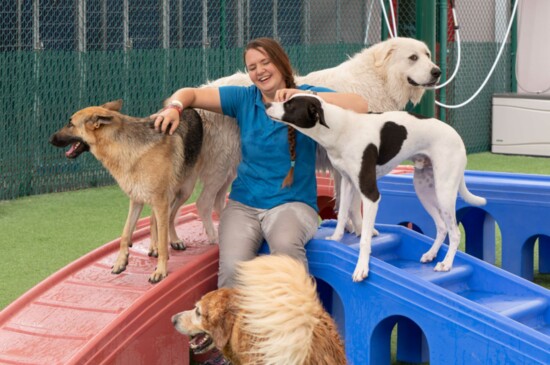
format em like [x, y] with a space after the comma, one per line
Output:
[265, 153]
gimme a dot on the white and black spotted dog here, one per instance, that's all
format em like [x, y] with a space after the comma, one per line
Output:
[364, 147]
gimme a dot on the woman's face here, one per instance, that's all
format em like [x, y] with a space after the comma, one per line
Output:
[263, 72]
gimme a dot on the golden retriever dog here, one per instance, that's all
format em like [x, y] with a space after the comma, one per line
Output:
[273, 316]
[389, 75]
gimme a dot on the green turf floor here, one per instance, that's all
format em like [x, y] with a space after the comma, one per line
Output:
[41, 234]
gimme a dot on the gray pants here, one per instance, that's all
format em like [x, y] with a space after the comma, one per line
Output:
[286, 228]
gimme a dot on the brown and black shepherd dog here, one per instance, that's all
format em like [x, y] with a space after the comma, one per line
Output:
[150, 167]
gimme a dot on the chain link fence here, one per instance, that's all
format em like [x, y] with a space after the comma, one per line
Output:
[58, 56]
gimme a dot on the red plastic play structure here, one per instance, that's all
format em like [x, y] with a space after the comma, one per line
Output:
[83, 314]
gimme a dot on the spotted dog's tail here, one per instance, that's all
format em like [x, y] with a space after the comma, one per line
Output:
[468, 197]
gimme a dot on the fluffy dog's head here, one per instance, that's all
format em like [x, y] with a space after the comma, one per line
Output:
[407, 58]
[302, 111]
[212, 315]
[79, 133]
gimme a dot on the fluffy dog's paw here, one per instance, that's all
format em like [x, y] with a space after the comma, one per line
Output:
[427, 257]
[157, 276]
[178, 245]
[442, 266]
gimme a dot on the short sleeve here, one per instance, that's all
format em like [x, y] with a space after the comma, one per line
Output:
[230, 98]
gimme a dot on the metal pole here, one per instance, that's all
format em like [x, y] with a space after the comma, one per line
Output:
[104, 25]
[36, 43]
[205, 42]
[384, 32]
[275, 20]
[443, 54]
[127, 44]
[81, 21]
[514, 51]
[425, 31]
[307, 22]
[240, 24]
[19, 25]
[180, 23]
[166, 44]
[81, 41]
[339, 21]
[166, 24]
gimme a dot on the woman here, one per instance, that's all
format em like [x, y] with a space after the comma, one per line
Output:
[263, 203]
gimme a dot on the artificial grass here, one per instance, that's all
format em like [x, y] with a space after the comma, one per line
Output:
[41, 234]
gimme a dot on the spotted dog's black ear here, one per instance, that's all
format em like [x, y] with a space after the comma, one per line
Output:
[316, 112]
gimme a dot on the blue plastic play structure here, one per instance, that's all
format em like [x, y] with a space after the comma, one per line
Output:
[518, 203]
[474, 314]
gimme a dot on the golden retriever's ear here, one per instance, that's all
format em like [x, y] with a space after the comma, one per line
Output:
[219, 315]
[382, 53]
[222, 332]
[114, 105]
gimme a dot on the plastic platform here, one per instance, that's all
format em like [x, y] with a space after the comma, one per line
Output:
[83, 314]
[518, 203]
[474, 314]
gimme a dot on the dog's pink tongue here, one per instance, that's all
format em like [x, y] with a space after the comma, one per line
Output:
[71, 150]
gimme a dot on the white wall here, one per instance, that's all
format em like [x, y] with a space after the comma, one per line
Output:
[533, 53]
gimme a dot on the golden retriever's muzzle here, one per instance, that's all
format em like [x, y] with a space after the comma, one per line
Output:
[199, 342]
[60, 139]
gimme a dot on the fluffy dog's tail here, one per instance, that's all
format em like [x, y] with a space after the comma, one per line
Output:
[283, 312]
[468, 197]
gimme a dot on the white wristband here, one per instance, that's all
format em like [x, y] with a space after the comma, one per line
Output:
[176, 103]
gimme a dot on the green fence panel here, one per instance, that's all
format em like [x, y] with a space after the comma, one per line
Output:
[58, 57]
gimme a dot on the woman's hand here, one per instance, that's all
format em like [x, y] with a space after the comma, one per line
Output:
[285, 94]
[166, 118]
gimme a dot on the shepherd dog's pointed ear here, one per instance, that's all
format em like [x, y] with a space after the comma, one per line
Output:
[115, 105]
[382, 53]
[98, 120]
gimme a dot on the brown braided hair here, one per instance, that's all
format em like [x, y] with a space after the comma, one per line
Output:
[280, 59]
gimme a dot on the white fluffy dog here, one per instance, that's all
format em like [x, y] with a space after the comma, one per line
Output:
[388, 74]
[365, 147]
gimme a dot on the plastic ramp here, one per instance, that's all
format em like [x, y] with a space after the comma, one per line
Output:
[518, 203]
[474, 314]
[83, 314]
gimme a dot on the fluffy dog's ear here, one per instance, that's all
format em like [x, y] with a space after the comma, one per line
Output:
[114, 105]
[382, 53]
[317, 113]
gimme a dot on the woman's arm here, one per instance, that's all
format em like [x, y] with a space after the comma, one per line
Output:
[207, 98]
[350, 101]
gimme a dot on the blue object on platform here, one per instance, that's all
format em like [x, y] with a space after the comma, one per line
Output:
[519, 203]
[474, 314]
